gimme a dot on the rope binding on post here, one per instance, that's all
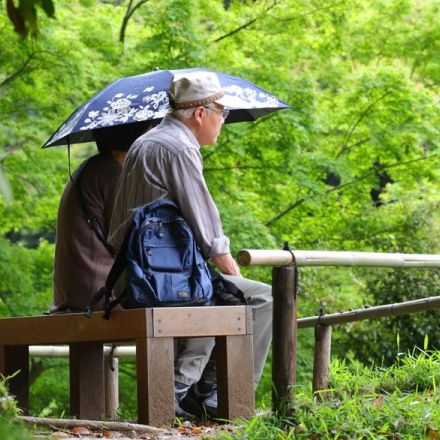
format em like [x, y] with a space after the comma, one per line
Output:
[293, 264]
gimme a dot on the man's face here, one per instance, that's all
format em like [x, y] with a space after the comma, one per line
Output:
[212, 121]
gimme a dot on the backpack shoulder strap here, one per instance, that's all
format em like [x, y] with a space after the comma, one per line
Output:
[91, 220]
[112, 277]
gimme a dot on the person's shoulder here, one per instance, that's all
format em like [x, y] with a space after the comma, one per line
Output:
[171, 140]
[104, 161]
[101, 166]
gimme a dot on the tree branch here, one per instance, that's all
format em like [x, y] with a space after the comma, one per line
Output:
[128, 13]
[344, 146]
[345, 185]
[22, 70]
[238, 167]
[286, 211]
[245, 25]
[323, 8]
[356, 144]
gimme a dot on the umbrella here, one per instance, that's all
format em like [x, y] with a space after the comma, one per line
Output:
[142, 98]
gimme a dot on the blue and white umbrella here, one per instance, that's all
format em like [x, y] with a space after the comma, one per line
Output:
[141, 98]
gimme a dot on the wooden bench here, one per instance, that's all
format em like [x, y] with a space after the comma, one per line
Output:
[153, 331]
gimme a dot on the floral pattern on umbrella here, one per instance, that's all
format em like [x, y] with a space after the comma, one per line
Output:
[144, 97]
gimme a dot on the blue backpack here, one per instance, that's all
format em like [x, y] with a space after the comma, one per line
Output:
[164, 266]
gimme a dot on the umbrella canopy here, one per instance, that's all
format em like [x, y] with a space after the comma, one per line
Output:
[142, 98]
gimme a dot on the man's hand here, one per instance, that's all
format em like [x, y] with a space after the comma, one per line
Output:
[226, 264]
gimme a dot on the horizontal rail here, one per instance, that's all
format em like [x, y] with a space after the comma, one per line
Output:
[397, 309]
[256, 257]
[57, 351]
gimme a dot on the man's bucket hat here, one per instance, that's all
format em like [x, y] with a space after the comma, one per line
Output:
[196, 89]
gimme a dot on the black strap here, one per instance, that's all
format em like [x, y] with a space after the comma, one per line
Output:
[223, 287]
[112, 277]
[91, 220]
[286, 247]
[68, 158]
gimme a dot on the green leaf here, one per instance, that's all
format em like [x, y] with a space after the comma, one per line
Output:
[426, 342]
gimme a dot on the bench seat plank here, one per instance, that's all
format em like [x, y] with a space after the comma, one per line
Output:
[198, 321]
[122, 325]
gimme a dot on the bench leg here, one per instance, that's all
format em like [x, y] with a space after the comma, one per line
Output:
[15, 358]
[235, 371]
[155, 380]
[87, 380]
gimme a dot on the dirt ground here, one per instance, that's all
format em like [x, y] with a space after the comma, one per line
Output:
[187, 430]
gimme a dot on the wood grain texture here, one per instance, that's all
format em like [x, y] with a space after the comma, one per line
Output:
[87, 380]
[321, 363]
[284, 338]
[235, 371]
[74, 327]
[155, 380]
[199, 321]
[153, 330]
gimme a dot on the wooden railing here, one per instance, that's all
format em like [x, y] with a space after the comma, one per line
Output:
[285, 323]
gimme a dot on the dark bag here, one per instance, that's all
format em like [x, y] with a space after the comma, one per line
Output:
[226, 293]
[164, 266]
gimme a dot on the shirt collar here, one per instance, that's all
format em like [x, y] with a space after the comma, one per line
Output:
[171, 121]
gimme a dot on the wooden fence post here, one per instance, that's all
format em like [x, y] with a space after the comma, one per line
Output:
[321, 362]
[284, 281]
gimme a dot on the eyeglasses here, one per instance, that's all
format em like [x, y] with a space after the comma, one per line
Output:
[224, 112]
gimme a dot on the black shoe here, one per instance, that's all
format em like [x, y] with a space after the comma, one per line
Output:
[202, 400]
[180, 392]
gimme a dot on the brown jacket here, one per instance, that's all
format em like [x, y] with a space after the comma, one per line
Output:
[81, 261]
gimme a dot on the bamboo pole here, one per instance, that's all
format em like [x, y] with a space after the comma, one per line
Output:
[111, 386]
[284, 338]
[254, 257]
[321, 362]
[63, 351]
[397, 309]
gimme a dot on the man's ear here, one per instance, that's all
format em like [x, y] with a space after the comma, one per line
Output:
[198, 114]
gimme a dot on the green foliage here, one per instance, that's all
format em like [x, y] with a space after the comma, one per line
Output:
[353, 165]
[8, 406]
[398, 402]
[50, 387]
[9, 428]
[375, 341]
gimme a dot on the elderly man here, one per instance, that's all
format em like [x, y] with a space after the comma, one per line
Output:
[166, 163]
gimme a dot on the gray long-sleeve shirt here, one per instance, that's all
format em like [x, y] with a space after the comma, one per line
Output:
[166, 163]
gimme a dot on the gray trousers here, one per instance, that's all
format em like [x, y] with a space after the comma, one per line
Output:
[192, 355]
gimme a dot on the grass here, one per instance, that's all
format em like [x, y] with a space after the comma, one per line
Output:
[400, 402]
[9, 429]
